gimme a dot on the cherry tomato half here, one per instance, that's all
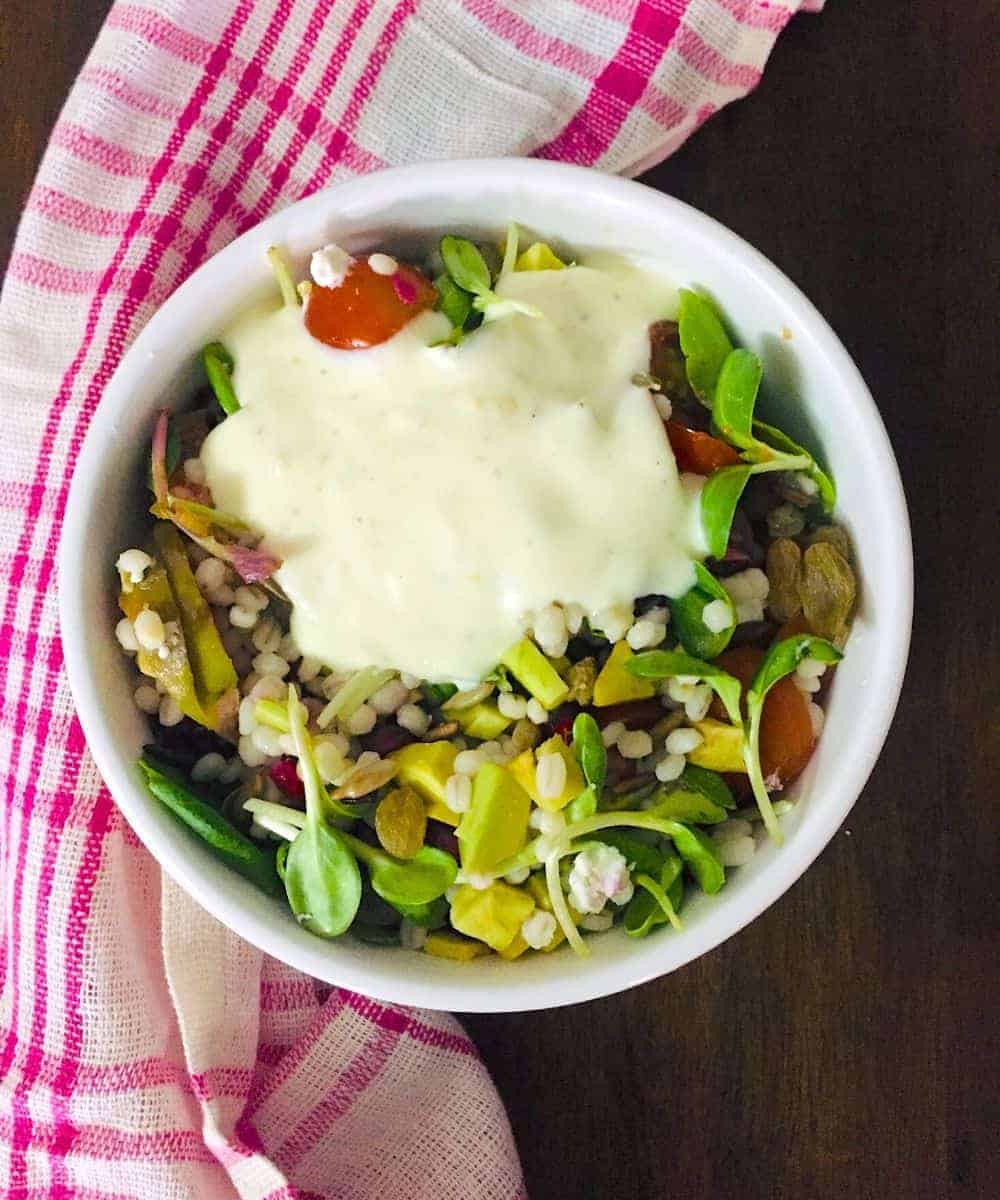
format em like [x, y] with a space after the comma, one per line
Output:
[699, 452]
[786, 732]
[367, 308]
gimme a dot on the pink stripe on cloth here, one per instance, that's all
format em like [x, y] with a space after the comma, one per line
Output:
[144, 1050]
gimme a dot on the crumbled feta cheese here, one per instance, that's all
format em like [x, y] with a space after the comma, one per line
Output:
[134, 564]
[538, 929]
[600, 873]
[329, 265]
[383, 264]
[716, 616]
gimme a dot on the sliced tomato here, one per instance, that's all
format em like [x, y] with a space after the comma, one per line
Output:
[367, 308]
[699, 452]
[786, 732]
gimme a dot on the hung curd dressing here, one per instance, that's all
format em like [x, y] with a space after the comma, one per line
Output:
[427, 500]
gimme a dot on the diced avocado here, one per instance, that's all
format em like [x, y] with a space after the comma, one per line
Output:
[437, 810]
[539, 257]
[532, 669]
[615, 684]
[493, 915]
[482, 720]
[443, 944]
[524, 766]
[516, 948]
[722, 749]
[426, 767]
[496, 823]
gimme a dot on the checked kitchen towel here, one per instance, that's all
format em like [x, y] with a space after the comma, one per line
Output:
[145, 1051]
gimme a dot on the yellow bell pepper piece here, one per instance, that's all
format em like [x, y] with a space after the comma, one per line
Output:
[493, 915]
[615, 684]
[523, 768]
[722, 749]
[442, 944]
[212, 668]
[538, 257]
[532, 669]
[496, 823]
[484, 720]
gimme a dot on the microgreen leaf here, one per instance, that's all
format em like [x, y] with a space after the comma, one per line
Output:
[560, 908]
[704, 342]
[665, 664]
[588, 745]
[719, 497]
[453, 301]
[465, 265]
[688, 622]
[641, 923]
[690, 806]
[780, 441]
[203, 819]
[417, 881]
[282, 273]
[736, 396]
[510, 249]
[780, 661]
[218, 364]
[322, 880]
[700, 857]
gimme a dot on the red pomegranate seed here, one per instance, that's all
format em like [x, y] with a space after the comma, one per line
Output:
[283, 773]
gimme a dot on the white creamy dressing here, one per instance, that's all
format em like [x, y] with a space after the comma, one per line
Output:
[426, 501]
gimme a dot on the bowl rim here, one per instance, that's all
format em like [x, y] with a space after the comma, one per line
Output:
[211, 892]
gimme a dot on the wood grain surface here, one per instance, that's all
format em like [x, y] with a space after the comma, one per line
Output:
[846, 1043]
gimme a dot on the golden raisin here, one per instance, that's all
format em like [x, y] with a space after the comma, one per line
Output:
[784, 571]
[580, 677]
[401, 822]
[837, 537]
[827, 590]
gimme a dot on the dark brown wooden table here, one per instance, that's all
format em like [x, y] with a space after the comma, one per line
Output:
[846, 1043]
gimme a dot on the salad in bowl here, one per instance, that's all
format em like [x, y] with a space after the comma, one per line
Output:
[477, 611]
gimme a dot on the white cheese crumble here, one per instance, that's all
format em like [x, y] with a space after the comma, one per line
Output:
[329, 265]
[599, 874]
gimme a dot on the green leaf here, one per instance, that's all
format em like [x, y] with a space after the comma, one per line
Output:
[590, 751]
[709, 783]
[453, 301]
[719, 497]
[203, 819]
[700, 857]
[691, 807]
[218, 364]
[780, 661]
[437, 693]
[774, 438]
[704, 342]
[431, 915]
[584, 805]
[417, 881]
[688, 622]
[646, 909]
[465, 265]
[736, 396]
[784, 657]
[322, 880]
[665, 664]
[376, 935]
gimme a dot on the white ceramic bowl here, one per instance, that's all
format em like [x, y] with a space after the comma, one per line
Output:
[805, 364]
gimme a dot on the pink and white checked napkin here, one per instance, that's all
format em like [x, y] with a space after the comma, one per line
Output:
[145, 1051]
